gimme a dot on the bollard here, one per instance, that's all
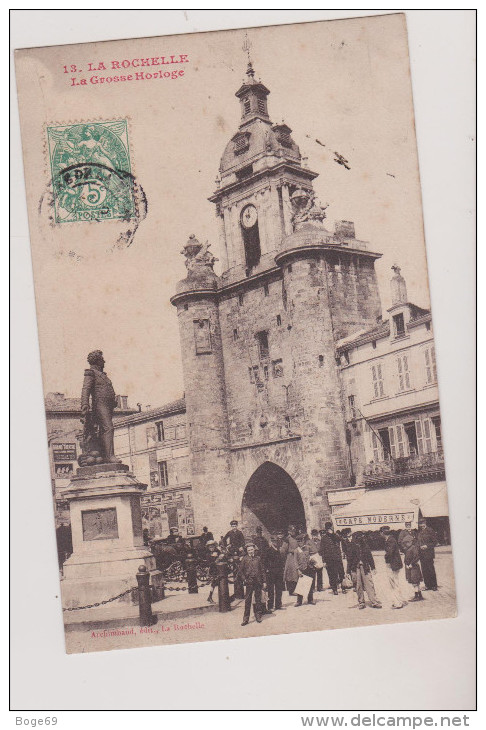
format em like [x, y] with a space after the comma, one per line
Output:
[191, 573]
[223, 590]
[144, 597]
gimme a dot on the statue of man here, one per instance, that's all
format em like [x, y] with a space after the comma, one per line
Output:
[99, 388]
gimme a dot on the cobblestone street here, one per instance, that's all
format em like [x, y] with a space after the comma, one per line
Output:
[330, 612]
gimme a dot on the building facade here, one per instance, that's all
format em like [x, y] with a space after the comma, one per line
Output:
[154, 444]
[391, 398]
[263, 387]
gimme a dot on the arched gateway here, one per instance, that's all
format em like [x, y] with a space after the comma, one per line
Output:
[271, 499]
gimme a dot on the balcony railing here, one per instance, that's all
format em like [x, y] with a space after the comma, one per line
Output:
[416, 465]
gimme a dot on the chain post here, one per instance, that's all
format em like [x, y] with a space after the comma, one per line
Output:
[145, 597]
[223, 589]
[191, 573]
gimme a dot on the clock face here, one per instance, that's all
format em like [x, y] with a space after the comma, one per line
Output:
[249, 216]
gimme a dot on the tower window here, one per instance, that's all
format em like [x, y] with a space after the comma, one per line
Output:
[265, 290]
[321, 360]
[251, 240]
[289, 268]
[235, 334]
[279, 320]
[261, 106]
[202, 336]
[352, 406]
[240, 299]
[265, 372]
[254, 373]
[263, 349]
[186, 306]
[246, 106]
[399, 325]
[374, 344]
[277, 367]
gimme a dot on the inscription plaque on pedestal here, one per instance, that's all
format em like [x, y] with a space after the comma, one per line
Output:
[99, 524]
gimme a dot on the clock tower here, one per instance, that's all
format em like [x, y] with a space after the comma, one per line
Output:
[263, 388]
[260, 169]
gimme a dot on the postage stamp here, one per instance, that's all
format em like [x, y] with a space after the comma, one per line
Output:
[91, 175]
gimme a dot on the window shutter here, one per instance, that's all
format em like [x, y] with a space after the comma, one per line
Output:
[375, 380]
[427, 436]
[401, 444]
[406, 372]
[400, 374]
[391, 433]
[434, 366]
[380, 379]
[428, 371]
[420, 438]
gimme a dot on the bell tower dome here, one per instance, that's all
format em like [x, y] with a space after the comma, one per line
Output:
[261, 167]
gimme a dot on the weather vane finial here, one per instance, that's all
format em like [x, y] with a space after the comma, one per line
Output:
[247, 48]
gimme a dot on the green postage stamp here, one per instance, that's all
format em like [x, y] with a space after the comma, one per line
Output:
[91, 175]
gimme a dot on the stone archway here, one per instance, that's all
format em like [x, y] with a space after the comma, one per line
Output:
[272, 500]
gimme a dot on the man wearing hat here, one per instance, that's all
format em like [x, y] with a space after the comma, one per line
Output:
[427, 540]
[261, 544]
[361, 563]
[213, 553]
[305, 567]
[404, 537]
[252, 574]
[234, 539]
[316, 539]
[274, 567]
[394, 565]
[331, 555]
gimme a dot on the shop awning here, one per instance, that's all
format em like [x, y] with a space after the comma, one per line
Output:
[393, 506]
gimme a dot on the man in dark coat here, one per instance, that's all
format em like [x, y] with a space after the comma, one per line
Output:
[361, 565]
[274, 567]
[305, 567]
[206, 536]
[316, 539]
[252, 574]
[234, 538]
[331, 555]
[394, 564]
[261, 544]
[427, 540]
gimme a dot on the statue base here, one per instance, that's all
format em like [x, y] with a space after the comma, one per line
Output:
[106, 523]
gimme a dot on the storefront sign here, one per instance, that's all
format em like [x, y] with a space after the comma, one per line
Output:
[64, 452]
[390, 518]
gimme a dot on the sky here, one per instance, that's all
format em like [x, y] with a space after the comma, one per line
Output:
[345, 83]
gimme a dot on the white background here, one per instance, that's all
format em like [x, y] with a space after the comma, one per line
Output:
[422, 666]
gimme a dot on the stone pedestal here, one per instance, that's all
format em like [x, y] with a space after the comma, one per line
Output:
[106, 523]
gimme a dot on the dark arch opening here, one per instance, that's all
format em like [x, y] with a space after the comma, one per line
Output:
[271, 500]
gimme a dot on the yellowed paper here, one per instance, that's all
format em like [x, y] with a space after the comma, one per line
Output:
[234, 220]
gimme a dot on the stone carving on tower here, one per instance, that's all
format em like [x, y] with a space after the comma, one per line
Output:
[306, 208]
[198, 256]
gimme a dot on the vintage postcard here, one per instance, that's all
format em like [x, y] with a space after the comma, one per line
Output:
[237, 345]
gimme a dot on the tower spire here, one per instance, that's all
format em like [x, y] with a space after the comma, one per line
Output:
[247, 48]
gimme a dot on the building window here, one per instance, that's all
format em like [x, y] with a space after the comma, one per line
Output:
[403, 373]
[321, 361]
[265, 372]
[427, 326]
[265, 290]
[384, 437]
[169, 433]
[399, 325]
[277, 368]
[411, 434]
[202, 336]
[377, 446]
[279, 320]
[247, 106]
[160, 431]
[263, 349]
[378, 383]
[254, 373]
[374, 344]
[163, 474]
[430, 366]
[424, 436]
[352, 406]
[235, 334]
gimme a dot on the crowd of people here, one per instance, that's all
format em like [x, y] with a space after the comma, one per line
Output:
[293, 561]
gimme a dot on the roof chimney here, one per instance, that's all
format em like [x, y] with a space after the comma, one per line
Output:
[398, 287]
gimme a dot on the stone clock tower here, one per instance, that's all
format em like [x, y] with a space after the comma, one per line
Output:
[263, 393]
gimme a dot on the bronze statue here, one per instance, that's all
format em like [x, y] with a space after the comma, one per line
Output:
[98, 401]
